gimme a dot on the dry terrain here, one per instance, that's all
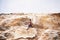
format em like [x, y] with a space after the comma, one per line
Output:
[44, 27]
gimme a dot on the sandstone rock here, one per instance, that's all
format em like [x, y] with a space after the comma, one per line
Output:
[45, 27]
[49, 35]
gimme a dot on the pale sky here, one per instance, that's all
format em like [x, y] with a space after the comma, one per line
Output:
[29, 6]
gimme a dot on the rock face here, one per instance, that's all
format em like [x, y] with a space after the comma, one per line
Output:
[50, 21]
[51, 24]
[44, 27]
[22, 32]
[49, 35]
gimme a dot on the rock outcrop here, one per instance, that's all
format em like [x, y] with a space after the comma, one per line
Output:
[44, 27]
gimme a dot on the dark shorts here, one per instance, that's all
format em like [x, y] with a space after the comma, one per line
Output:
[30, 25]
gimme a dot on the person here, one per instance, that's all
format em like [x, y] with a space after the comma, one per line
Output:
[29, 24]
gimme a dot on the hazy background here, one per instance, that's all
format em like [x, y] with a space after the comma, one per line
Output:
[29, 6]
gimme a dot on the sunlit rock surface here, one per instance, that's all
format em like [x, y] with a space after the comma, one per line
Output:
[49, 35]
[44, 27]
[22, 32]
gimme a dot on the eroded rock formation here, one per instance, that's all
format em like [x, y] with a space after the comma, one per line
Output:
[44, 27]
